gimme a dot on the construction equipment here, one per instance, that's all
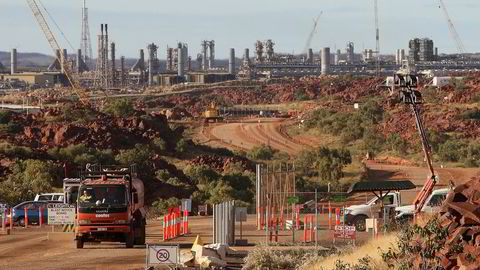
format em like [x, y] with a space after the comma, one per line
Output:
[110, 206]
[377, 38]
[37, 13]
[211, 114]
[312, 33]
[451, 28]
[409, 95]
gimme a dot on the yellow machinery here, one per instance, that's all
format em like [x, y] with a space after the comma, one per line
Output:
[211, 113]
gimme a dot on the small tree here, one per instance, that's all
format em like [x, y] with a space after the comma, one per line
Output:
[120, 108]
[262, 152]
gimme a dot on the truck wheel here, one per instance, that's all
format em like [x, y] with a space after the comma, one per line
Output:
[360, 223]
[79, 243]
[141, 235]
[130, 238]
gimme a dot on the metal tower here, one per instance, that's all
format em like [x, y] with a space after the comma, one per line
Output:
[85, 41]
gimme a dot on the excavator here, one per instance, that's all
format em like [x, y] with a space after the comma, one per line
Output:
[407, 84]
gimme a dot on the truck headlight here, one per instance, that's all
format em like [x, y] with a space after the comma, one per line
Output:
[84, 222]
[121, 221]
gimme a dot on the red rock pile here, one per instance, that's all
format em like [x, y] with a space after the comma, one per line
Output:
[460, 214]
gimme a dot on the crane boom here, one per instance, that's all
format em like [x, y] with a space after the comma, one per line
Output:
[312, 33]
[451, 28]
[377, 38]
[37, 13]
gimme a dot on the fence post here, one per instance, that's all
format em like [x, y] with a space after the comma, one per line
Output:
[337, 216]
[26, 217]
[40, 216]
[4, 214]
[165, 236]
[305, 235]
[276, 231]
[329, 216]
[11, 219]
[311, 228]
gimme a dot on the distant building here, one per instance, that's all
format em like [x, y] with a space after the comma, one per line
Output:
[421, 50]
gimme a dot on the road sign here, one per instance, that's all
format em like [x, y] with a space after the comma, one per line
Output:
[60, 214]
[241, 214]
[158, 254]
[345, 232]
[187, 205]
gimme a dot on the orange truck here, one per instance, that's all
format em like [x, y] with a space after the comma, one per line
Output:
[110, 206]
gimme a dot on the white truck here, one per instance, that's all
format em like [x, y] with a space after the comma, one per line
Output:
[357, 214]
[432, 205]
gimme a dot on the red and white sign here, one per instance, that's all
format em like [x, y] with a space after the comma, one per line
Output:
[345, 232]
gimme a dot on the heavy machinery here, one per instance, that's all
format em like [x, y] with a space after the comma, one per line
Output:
[110, 206]
[52, 41]
[211, 114]
[409, 95]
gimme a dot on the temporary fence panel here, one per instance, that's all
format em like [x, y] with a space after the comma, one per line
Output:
[224, 223]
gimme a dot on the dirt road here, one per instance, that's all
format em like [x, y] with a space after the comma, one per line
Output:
[246, 135]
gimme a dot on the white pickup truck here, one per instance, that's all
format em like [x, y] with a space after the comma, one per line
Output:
[357, 214]
[433, 203]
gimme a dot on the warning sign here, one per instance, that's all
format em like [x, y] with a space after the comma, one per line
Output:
[345, 232]
[60, 214]
[157, 254]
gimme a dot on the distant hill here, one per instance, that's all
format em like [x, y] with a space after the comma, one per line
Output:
[27, 59]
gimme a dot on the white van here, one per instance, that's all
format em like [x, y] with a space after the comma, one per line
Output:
[55, 197]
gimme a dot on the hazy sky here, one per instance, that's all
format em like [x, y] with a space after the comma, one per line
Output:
[238, 24]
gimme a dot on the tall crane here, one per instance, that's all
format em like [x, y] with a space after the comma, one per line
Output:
[312, 33]
[377, 37]
[451, 28]
[37, 13]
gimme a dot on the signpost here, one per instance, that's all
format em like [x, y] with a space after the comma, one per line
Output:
[60, 214]
[158, 254]
[345, 232]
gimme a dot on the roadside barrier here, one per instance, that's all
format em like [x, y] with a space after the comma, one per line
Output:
[11, 219]
[40, 217]
[337, 216]
[68, 227]
[26, 217]
[174, 224]
[308, 231]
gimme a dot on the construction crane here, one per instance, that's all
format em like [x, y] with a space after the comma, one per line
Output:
[410, 96]
[451, 28]
[312, 33]
[37, 13]
[377, 38]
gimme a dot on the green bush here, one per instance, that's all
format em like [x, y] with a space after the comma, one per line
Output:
[201, 174]
[452, 151]
[6, 116]
[397, 143]
[120, 108]
[160, 206]
[15, 151]
[372, 111]
[182, 146]
[80, 154]
[300, 95]
[436, 139]
[159, 144]
[473, 114]
[27, 178]
[138, 155]
[261, 152]
[373, 141]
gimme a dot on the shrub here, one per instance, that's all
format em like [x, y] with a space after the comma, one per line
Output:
[397, 143]
[28, 177]
[262, 152]
[138, 155]
[6, 116]
[15, 151]
[160, 206]
[452, 150]
[182, 146]
[201, 174]
[159, 144]
[300, 95]
[372, 111]
[373, 141]
[436, 139]
[80, 154]
[120, 108]
[471, 114]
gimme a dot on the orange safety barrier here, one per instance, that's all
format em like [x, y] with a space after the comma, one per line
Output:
[26, 217]
[337, 216]
[40, 217]
[297, 211]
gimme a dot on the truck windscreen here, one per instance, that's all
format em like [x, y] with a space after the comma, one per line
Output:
[105, 196]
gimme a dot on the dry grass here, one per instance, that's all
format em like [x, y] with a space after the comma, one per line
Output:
[370, 249]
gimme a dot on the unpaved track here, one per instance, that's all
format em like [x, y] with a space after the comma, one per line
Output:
[247, 135]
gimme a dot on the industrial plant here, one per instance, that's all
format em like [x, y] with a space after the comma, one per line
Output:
[108, 72]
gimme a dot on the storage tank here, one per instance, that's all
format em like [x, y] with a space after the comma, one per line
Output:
[325, 60]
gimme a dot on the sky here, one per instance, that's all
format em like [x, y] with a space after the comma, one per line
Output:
[239, 23]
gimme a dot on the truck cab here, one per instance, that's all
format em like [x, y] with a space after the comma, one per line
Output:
[432, 205]
[357, 214]
[110, 207]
